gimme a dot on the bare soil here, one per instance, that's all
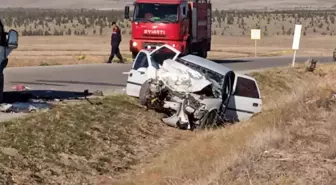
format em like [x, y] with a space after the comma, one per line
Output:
[220, 4]
[76, 143]
[58, 50]
[119, 142]
[290, 142]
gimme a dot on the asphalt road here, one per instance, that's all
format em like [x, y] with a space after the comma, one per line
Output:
[109, 77]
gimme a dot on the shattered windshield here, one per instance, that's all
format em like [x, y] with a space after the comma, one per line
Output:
[215, 78]
[161, 55]
[150, 12]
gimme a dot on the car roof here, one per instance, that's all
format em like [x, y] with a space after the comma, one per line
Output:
[209, 64]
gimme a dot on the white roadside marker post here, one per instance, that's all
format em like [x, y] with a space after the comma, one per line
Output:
[255, 35]
[296, 41]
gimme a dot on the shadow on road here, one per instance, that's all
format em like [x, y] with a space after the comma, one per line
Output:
[36, 83]
[24, 96]
[59, 83]
[227, 61]
[83, 83]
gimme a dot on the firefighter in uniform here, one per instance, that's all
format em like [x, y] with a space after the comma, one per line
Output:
[115, 42]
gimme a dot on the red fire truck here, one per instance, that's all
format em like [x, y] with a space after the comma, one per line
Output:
[183, 24]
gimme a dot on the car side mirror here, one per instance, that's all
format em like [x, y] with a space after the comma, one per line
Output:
[127, 10]
[13, 38]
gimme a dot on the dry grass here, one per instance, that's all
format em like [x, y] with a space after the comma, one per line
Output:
[225, 4]
[58, 50]
[288, 143]
[74, 144]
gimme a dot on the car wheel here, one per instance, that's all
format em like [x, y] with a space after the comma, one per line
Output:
[209, 120]
[143, 93]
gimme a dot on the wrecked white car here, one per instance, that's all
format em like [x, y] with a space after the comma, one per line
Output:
[194, 92]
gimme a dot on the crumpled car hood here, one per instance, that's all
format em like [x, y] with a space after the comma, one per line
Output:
[181, 78]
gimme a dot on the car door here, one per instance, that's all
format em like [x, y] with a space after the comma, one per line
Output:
[138, 73]
[245, 100]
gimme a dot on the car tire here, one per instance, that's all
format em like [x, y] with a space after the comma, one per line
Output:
[209, 120]
[143, 93]
[134, 54]
[205, 54]
[202, 53]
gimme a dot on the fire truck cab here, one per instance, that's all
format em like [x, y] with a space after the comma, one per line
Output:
[182, 24]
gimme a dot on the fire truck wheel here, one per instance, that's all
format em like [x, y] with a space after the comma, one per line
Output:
[205, 54]
[134, 54]
[202, 53]
[187, 49]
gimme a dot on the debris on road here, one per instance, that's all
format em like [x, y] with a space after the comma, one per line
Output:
[20, 87]
[25, 107]
[98, 93]
[25, 100]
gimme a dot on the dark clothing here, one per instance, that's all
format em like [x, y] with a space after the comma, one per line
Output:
[115, 51]
[115, 37]
[115, 42]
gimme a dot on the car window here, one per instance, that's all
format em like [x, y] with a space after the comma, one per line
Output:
[161, 55]
[141, 61]
[246, 88]
[158, 58]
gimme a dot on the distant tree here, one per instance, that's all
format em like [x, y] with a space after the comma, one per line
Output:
[320, 25]
[289, 32]
[332, 19]
[230, 19]
[101, 31]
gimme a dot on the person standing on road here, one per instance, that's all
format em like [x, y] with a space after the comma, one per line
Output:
[115, 42]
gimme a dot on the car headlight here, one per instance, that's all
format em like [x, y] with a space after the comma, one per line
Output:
[189, 110]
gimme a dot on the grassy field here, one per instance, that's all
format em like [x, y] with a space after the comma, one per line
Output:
[119, 142]
[291, 142]
[63, 36]
[74, 144]
[58, 50]
[221, 4]
[45, 22]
